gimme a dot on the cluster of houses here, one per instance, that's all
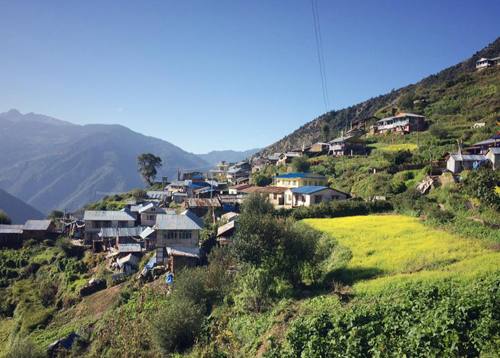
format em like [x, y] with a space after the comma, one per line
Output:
[350, 142]
[475, 156]
[170, 224]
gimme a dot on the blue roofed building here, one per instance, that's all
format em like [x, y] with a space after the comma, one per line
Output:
[295, 180]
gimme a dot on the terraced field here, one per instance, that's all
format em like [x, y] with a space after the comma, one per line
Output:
[390, 250]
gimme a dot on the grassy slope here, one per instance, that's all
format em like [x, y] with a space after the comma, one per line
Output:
[455, 98]
[391, 249]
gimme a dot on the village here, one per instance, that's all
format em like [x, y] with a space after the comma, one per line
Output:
[168, 222]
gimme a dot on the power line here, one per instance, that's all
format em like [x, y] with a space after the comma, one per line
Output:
[319, 52]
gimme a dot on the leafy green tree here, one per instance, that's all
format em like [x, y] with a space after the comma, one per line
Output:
[177, 325]
[482, 184]
[281, 246]
[301, 164]
[55, 214]
[147, 166]
[262, 179]
[4, 218]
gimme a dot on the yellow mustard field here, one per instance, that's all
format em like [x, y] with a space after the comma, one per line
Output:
[395, 147]
[389, 250]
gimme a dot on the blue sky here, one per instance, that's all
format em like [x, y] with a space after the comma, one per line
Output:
[223, 74]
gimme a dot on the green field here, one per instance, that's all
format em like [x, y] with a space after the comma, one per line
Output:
[394, 147]
[390, 250]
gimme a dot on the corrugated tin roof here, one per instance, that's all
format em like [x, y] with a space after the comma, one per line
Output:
[229, 216]
[184, 251]
[120, 231]
[308, 189]
[122, 248]
[264, 190]
[107, 215]
[203, 203]
[11, 229]
[37, 225]
[156, 194]
[146, 232]
[185, 221]
[225, 228]
[468, 157]
[400, 115]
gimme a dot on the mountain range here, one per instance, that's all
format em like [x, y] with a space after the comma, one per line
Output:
[54, 164]
[230, 156]
[17, 210]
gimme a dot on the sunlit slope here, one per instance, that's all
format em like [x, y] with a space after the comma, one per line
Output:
[388, 250]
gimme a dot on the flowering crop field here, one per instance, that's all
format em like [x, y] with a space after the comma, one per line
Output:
[394, 147]
[391, 250]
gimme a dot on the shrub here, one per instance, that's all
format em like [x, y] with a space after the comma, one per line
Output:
[301, 164]
[4, 218]
[439, 319]
[177, 325]
[24, 348]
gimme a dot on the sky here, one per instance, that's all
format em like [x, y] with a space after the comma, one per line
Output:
[224, 74]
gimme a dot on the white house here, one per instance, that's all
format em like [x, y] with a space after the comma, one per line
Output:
[310, 195]
[458, 162]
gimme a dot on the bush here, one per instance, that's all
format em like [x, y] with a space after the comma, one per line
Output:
[439, 320]
[341, 208]
[24, 348]
[4, 218]
[177, 325]
[301, 164]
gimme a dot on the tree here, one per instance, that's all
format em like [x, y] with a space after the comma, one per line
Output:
[325, 130]
[482, 184]
[4, 218]
[148, 163]
[56, 214]
[301, 164]
[262, 179]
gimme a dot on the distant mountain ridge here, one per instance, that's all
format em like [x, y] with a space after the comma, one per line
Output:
[17, 210]
[54, 164]
[230, 156]
[462, 72]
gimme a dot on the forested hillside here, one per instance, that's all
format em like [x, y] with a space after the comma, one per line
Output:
[455, 97]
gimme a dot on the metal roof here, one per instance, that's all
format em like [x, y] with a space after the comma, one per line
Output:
[11, 229]
[107, 215]
[203, 203]
[264, 189]
[146, 232]
[229, 216]
[37, 225]
[225, 228]
[120, 231]
[184, 251]
[129, 248]
[309, 189]
[156, 194]
[300, 175]
[400, 115]
[185, 221]
[468, 157]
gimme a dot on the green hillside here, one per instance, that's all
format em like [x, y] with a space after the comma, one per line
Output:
[453, 99]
